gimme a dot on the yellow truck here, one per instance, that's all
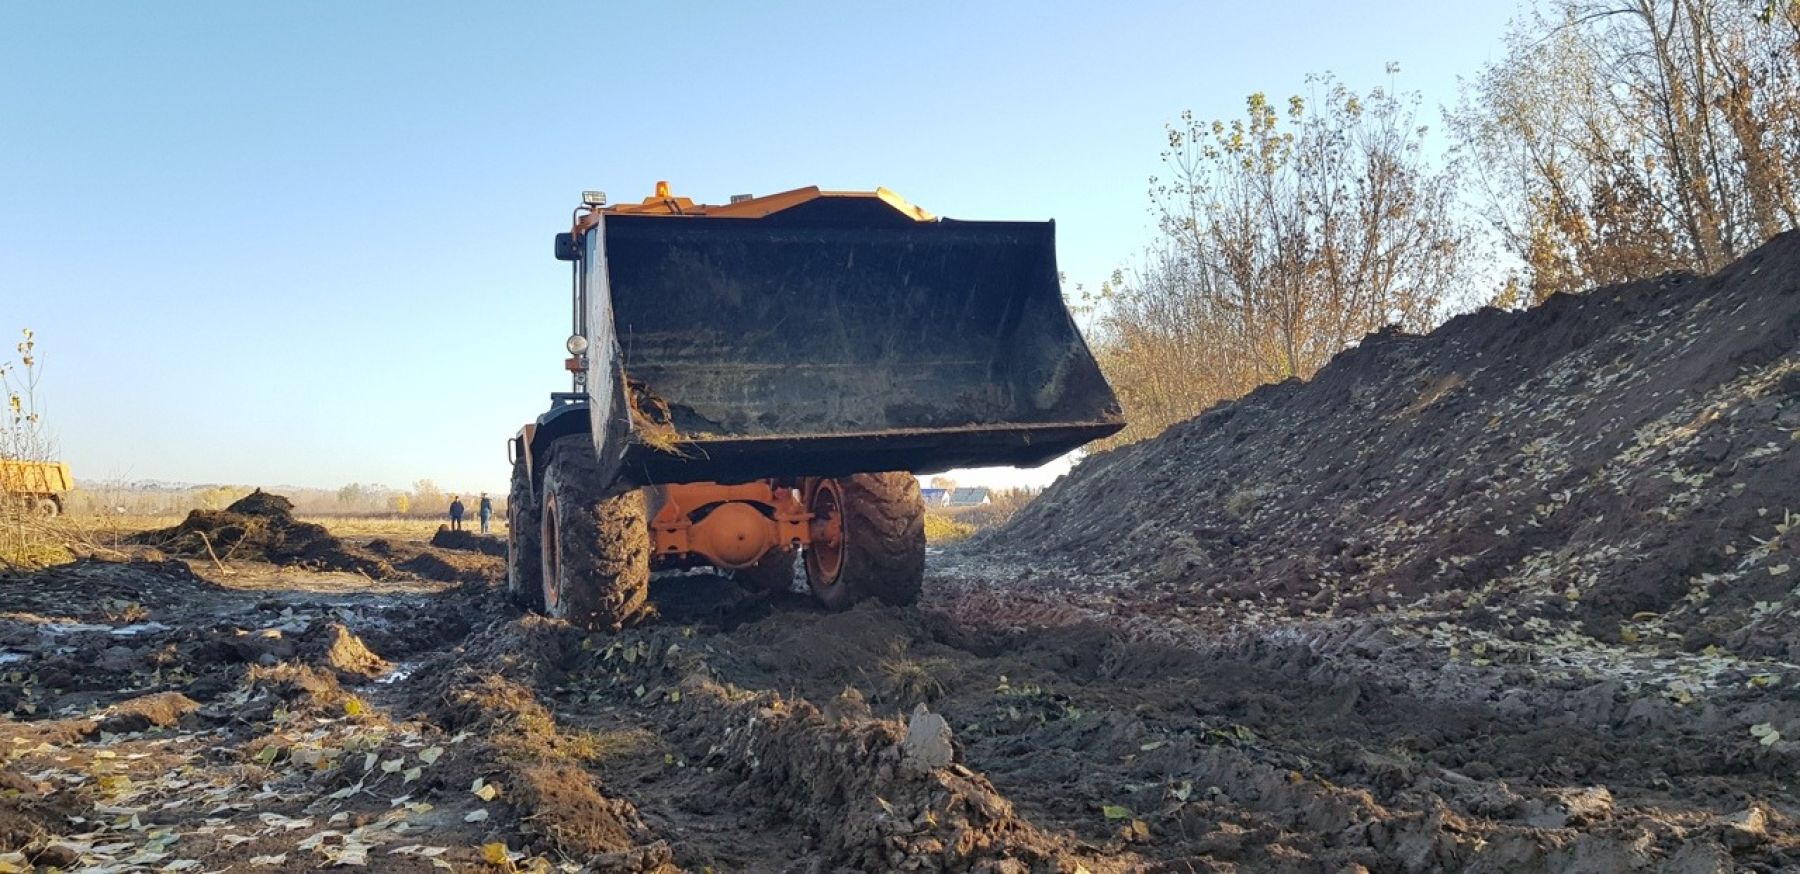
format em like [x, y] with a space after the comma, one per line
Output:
[37, 485]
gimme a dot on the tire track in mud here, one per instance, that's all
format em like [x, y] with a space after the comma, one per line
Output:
[1435, 763]
[756, 734]
[779, 742]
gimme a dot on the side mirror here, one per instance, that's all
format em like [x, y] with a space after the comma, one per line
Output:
[566, 249]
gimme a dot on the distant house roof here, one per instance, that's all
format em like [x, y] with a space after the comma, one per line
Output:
[970, 497]
[934, 496]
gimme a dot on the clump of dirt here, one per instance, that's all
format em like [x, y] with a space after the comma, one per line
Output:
[569, 811]
[469, 541]
[495, 705]
[160, 710]
[28, 813]
[1622, 462]
[349, 658]
[875, 796]
[261, 527]
[301, 687]
[451, 567]
[558, 801]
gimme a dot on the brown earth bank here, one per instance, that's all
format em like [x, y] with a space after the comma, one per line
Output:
[1618, 464]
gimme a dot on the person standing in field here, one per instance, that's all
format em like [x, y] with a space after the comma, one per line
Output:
[485, 511]
[456, 511]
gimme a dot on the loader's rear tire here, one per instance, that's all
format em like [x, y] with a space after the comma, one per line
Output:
[595, 546]
[867, 539]
[47, 507]
[772, 573]
[524, 557]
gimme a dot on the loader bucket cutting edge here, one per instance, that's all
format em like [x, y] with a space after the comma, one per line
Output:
[756, 348]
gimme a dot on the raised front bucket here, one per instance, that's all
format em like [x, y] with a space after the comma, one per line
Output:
[831, 344]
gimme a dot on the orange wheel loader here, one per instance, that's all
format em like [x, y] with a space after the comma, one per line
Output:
[755, 385]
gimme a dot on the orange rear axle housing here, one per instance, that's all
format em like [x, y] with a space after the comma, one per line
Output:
[729, 526]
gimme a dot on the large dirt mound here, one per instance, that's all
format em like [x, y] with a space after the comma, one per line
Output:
[468, 541]
[261, 527]
[1622, 458]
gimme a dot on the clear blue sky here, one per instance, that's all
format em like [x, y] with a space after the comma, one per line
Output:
[309, 243]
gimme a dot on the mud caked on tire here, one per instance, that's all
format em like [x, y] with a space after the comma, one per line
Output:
[867, 539]
[774, 572]
[595, 545]
[524, 558]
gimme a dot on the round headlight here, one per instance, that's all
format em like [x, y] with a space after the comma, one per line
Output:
[577, 344]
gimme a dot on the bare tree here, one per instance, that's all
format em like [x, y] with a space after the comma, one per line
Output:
[22, 434]
[1618, 139]
[1286, 236]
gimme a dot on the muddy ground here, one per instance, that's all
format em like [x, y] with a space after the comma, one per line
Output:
[170, 715]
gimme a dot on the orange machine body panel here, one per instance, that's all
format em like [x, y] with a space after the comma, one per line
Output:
[663, 203]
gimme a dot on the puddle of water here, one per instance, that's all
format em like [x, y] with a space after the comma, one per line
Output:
[137, 628]
[132, 630]
[71, 627]
[399, 672]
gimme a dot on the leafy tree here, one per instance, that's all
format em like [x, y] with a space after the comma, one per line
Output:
[1619, 139]
[1285, 236]
[428, 499]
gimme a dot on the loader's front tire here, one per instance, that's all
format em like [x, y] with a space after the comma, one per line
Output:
[595, 546]
[772, 573]
[867, 539]
[524, 558]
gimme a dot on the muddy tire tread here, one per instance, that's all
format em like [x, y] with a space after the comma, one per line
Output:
[524, 561]
[604, 566]
[884, 541]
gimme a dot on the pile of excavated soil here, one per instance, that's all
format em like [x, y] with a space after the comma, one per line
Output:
[469, 541]
[1619, 462]
[261, 527]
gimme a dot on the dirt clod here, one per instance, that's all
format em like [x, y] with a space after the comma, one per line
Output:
[346, 655]
[469, 541]
[928, 745]
[161, 710]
